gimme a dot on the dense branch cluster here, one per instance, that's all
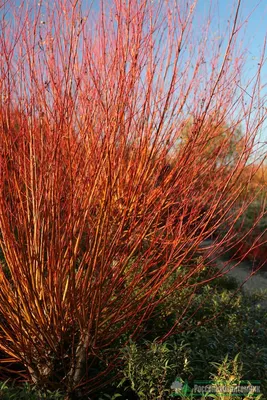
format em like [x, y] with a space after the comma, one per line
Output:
[116, 162]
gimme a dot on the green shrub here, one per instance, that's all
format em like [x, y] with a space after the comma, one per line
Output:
[151, 368]
[200, 352]
[26, 392]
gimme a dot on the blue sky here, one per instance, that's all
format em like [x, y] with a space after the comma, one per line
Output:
[253, 33]
[256, 26]
[254, 30]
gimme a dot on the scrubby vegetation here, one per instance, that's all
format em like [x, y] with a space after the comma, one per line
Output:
[230, 345]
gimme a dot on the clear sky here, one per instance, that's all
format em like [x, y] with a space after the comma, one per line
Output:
[254, 11]
[256, 26]
[255, 30]
[253, 33]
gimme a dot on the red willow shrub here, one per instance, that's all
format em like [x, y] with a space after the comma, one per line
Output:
[101, 202]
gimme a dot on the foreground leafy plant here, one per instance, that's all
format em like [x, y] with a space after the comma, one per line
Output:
[151, 371]
[239, 328]
[10, 392]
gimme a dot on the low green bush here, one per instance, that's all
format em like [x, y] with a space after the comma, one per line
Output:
[26, 392]
[152, 363]
[226, 324]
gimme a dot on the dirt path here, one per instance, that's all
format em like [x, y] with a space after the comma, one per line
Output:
[242, 273]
